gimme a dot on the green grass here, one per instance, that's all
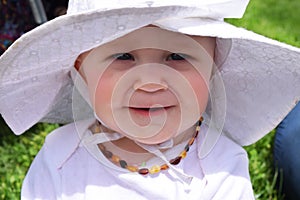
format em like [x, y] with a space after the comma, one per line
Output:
[262, 172]
[17, 153]
[273, 18]
[276, 19]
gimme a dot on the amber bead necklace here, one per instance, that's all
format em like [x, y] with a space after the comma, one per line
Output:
[156, 168]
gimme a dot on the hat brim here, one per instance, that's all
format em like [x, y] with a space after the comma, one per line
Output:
[260, 75]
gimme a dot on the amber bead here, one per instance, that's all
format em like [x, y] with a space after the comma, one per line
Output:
[123, 163]
[115, 158]
[201, 119]
[102, 148]
[164, 167]
[143, 171]
[183, 154]
[191, 141]
[107, 154]
[96, 129]
[132, 168]
[154, 169]
[176, 160]
[187, 148]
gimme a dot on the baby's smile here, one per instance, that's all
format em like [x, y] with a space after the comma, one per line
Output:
[149, 111]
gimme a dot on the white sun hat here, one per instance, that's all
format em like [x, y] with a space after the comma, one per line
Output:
[261, 76]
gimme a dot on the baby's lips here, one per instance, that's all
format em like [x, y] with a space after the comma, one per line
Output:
[149, 99]
[151, 106]
[151, 87]
[152, 109]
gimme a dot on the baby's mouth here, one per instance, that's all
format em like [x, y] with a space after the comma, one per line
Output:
[146, 111]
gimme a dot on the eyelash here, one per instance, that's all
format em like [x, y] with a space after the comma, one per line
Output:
[128, 56]
[123, 56]
[176, 56]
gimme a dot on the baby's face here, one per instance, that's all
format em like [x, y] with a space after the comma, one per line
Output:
[151, 84]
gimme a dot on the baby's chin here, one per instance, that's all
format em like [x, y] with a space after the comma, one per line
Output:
[156, 138]
[153, 141]
[163, 136]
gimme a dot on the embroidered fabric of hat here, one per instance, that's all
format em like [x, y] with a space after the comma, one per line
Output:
[155, 168]
[16, 18]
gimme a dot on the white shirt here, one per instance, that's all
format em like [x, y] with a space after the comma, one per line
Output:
[65, 170]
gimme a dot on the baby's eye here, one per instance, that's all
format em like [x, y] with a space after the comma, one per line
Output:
[123, 56]
[176, 56]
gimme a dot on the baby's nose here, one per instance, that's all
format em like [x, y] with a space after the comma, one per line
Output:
[151, 87]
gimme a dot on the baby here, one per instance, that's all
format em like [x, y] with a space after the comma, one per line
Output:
[147, 94]
[163, 100]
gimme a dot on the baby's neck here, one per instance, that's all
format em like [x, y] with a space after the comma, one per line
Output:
[128, 150]
[131, 146]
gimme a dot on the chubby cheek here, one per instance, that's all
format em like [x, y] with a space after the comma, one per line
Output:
[201, 90]
[101, 96]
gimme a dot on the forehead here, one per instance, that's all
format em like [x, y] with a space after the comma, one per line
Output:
[152, 37]
[157, 38]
